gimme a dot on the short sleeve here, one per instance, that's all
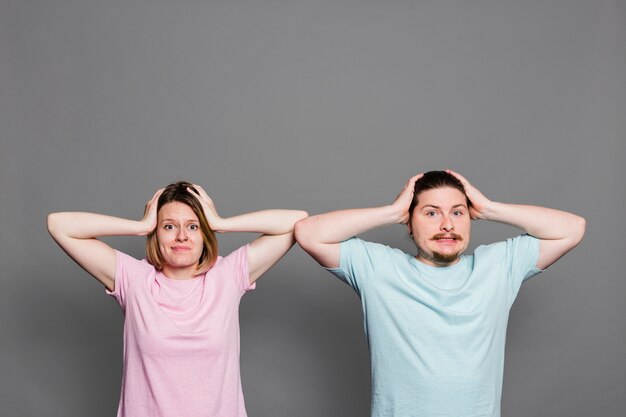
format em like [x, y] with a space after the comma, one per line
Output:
[236, 266]
[356, 261]
[126, 269]
[522, 254]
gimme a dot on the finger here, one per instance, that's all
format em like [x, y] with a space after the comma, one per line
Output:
[193, 190]
[458, 176]
[156, 195]
[409, 188]
[200, 191]
[411, 182]
[414, 179]
[151, 204]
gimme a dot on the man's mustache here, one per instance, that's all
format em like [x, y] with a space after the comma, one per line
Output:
[447, 236]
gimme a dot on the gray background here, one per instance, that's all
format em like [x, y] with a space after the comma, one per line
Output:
[317, 105]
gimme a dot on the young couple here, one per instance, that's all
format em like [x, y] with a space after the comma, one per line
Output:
[435, 321]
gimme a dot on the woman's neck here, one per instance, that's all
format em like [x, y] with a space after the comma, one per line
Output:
[180, 273]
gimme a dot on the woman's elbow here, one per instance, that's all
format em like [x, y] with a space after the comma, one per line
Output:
[301, 215]
[57, 224]
[579, 229]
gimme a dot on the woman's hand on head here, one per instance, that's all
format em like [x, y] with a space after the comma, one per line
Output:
[210, 211]
[150, 212]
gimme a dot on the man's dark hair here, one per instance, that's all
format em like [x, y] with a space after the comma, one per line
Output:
[435, 179]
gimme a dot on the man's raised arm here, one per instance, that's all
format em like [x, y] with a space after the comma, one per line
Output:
[558, 231]
[321, 234]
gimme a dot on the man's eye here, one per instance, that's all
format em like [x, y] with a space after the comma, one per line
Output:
[457, 213]
[431, 213]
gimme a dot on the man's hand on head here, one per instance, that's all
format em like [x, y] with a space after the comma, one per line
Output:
[405, 198]
[479, 204]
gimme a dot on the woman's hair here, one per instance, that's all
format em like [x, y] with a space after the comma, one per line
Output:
[435, 179]
[178, 192]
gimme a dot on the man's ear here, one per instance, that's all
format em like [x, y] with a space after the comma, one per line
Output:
[409, 228]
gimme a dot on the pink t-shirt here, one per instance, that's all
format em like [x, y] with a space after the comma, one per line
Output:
[181, 339]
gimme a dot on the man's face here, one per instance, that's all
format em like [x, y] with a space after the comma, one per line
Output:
[440, 226]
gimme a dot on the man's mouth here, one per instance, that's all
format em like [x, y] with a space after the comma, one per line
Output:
[447, 237]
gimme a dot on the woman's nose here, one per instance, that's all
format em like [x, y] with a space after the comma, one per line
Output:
[182, 235]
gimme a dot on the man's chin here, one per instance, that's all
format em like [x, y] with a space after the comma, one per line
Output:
[445, 258]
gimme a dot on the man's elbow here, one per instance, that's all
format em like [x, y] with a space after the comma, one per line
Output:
[52, 223]
[302, 231]
[575, 231]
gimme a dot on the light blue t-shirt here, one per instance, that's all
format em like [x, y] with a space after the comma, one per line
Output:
[436, 334]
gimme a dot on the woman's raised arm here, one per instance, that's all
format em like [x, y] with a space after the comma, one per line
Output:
[77, 235]
[276, 227]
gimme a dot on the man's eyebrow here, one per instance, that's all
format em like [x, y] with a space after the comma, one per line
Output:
[439, 208]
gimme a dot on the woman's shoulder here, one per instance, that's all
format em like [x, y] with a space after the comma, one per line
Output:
[234, 261]
[127, 262]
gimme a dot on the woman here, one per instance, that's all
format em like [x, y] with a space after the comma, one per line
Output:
[180, 304]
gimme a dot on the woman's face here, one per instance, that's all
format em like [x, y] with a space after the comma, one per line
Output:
[180, 239]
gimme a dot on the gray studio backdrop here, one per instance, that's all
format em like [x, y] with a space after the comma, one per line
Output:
[315, 105]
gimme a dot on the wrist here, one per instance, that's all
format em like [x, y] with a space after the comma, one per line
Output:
[491, 210]
[393, 214]
[144, 228]
[218, 224]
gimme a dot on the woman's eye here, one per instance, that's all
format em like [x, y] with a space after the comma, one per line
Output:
[168, 227]
[194, 227]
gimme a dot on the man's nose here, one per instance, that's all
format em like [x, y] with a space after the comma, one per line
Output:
[447, 224]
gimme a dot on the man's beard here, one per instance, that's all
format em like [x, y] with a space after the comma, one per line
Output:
[445, 258]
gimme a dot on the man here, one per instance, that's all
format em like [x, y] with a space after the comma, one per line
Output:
[436, 322]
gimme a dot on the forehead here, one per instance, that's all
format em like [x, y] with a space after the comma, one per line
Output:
[442, 197]
[177, 210]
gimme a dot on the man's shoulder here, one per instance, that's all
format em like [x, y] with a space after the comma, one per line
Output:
[372, 250]
[356, 242]
[512, 244]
